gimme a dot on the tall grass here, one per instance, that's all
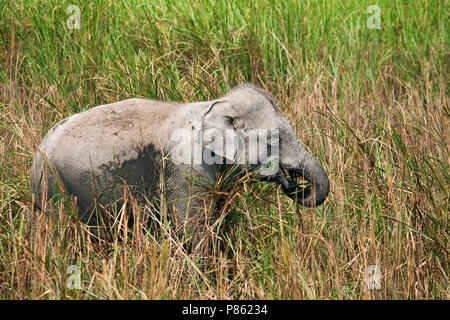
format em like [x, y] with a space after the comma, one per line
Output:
[370, 104]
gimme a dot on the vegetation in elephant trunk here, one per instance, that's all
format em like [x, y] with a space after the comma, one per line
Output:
[309, 169]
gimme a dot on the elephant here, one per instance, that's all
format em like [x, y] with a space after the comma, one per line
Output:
[94, 154]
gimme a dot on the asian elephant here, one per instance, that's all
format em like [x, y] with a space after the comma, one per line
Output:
[95, 154]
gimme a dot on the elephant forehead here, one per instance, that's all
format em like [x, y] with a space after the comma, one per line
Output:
[247, 90]
[264, 119]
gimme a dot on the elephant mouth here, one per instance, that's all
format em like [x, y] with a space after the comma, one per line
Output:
[293, 184]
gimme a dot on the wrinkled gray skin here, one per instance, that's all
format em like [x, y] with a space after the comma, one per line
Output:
[96, 151]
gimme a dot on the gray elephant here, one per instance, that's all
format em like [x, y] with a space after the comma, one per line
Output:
[96, 154]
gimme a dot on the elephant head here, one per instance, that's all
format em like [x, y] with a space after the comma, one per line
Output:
[249, 108]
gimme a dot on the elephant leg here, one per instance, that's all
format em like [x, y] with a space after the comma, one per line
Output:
[193, 220]
[192, 209]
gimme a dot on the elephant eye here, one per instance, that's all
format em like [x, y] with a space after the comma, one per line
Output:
[236, 123]
[230, 120]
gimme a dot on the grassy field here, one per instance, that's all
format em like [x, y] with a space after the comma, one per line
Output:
[369, 100]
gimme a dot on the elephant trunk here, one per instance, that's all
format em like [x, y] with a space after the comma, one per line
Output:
[300, 163]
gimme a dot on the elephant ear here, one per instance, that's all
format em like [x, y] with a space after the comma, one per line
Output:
[217, 135]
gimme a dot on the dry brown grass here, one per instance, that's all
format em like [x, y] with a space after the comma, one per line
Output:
[387, 207]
